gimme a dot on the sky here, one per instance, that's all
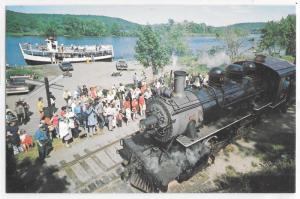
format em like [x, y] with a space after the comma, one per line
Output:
[214, 15]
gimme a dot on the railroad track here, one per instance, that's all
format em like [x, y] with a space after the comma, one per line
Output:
[92, 170]
[94, 164]
[99, 171]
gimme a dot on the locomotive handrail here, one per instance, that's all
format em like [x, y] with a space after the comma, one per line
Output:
[274, 106]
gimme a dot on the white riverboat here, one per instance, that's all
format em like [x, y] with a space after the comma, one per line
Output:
[52, 53]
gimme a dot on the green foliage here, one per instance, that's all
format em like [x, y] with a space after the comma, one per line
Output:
[22, 71]
[278, 36]
[150, 50]
[50, 29]
[175, 39]
[288, 58]
[67, 25]
[249, 27]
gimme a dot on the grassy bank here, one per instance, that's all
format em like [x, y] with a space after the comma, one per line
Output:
[36, 72]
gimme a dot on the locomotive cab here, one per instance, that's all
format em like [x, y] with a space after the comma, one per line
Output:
[274, 78]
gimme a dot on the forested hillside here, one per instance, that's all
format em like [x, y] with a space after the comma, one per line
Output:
[90, 25]
[68, 25]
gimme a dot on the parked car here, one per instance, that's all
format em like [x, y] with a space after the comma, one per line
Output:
[17, 85]
[121, 65]
[66, 66]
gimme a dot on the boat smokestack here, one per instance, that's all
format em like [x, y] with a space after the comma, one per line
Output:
[179, 83]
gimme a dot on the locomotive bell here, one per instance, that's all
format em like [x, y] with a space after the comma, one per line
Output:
[179, 83]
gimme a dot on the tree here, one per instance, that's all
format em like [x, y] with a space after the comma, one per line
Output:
[175, 40]
[278, 36]
[150, 51]
[50, 29]
[287, 29]
[234, 40]
[270, 38]
[115, 30]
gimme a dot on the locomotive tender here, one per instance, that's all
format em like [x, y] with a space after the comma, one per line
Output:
[185, 127]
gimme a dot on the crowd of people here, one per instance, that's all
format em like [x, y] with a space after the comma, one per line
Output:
[87, 110]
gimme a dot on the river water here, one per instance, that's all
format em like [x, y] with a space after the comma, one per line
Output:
[123, 46]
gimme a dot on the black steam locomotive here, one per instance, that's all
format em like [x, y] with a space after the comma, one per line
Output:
[185, 127]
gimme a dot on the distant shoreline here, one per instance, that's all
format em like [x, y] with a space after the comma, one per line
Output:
[81, 36]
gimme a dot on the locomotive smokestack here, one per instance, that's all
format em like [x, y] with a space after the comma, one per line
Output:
[179, 83]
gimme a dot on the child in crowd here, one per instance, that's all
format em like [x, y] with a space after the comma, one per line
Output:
[26, 140]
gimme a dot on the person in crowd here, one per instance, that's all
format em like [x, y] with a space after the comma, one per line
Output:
[75, 94]
[63, 111]
[100, 117]
[79, 114]
[147, 94]
[93, 92]
[72, 124]
[135, 79]
[67, 95]
[64, 131]
[110, 96]
[99, 93]
[134, 105]
[110, 116]
[201, 78]
[117, 103]
[54, 122]
[13, 131]
[52, 101]
[121, 89]
[79, 91]
[113, 90]
[46, 121]
[119, 118]
[42, 142]
[157, 87]
[143, 87]
[142, 104]
[91, 119]
[136, 93]
[73, 105]
[40, 106]
[197, 83]
[20, 110]
[26, 110]
[85, 91]
[26, 140]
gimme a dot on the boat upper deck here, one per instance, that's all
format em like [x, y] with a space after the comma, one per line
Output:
[87, 49]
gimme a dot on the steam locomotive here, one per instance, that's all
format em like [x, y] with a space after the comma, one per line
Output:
[185, 127]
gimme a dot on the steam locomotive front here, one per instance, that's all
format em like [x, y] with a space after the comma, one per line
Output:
[170, 116]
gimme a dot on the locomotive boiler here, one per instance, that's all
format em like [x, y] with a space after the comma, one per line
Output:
[185, 127]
